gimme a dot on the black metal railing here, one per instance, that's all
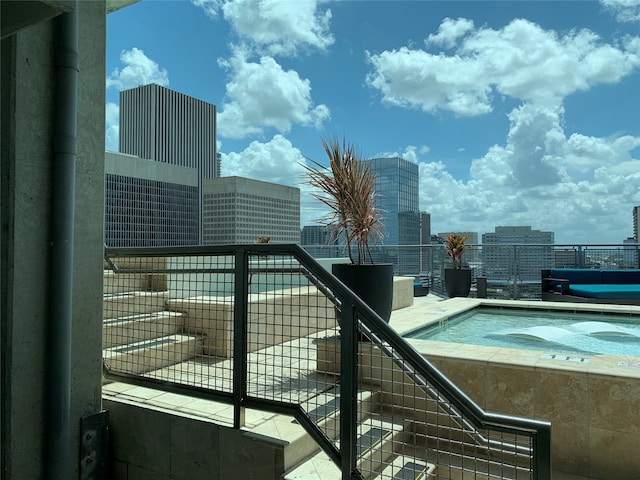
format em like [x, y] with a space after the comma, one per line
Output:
[266, 327]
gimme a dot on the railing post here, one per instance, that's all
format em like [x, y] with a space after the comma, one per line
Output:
[240, 350]
[580, 257]
[542, 454]
[348, 387]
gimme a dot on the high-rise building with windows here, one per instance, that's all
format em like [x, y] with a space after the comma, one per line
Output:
[239, 210]
[636, 223]
[517, 252]
[318, 241]
[167, 126]
[397, 190]
[426, 254]
[148, 203]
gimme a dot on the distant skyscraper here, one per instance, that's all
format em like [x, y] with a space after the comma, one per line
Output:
[501, 252]
[149, 204]
[170, 127]
[239, 210]
[425, 239]
[316, 239]
[397, 190]
[636, 223]
[315, 235]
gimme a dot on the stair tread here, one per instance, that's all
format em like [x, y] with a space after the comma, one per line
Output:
[133, 294]
[141, 317]
[408, 468]
[372, 432]
[152, 343]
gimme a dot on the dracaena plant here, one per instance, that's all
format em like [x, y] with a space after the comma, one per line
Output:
[454, 244]
[347, 187]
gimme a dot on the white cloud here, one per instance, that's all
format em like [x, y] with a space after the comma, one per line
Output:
[276, 161]
[410, 153]
[280, 27]
[275, 27]
[580, 187]
[264, 95]
[112, 122]
[211, 7]
[450, 31]
[623, 10]
[139, 70]
[521, 61]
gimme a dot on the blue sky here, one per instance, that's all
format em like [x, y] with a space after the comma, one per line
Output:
[517, 112]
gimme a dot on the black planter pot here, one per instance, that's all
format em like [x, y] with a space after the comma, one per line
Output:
[457, 282]
[373, 283]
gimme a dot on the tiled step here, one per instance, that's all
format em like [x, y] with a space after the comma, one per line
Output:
[324, 410]
[136, 328]
[132, 303]
[408, 468]
[123, 282]
[374, 447]
[141, 357]
[128, 282]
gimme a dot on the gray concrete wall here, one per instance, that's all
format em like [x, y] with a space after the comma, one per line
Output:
[26, 171]
[155, 444]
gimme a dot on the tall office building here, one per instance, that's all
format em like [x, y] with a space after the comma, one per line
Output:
[239, 210]
[636, 223]
[315, 235]
[397, 190]
[517, 253]
[148, 203]
[425, 239]
[170, 127]
[318, 241]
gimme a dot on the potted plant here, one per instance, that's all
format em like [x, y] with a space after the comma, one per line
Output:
[346, 186]
[457, 280]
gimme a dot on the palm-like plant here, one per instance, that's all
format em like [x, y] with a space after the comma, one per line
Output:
[347, 187]
[454, 244]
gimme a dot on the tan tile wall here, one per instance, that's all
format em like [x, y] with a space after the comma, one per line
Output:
[595, 417]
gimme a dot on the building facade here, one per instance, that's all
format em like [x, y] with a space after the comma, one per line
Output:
[517, 253]
[239, 210]
[170, 127]
[426, 254]
[148, 203]
[397, 190]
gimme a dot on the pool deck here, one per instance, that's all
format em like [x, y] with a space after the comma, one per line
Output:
[424, 310]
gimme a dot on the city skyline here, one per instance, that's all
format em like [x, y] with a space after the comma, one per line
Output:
[517, 113]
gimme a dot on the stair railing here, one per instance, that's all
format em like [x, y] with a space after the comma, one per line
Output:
[436, 416]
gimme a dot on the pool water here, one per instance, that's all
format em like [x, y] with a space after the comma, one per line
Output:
[548, 331]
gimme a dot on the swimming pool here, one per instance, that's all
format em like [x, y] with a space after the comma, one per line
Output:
[562, 332]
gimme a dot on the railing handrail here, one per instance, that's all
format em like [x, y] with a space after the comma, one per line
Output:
[538, 430]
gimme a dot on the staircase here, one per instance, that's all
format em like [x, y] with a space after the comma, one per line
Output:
[381, 442]
[138, 334]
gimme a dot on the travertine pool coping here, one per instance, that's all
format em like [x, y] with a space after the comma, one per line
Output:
[428, 313]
